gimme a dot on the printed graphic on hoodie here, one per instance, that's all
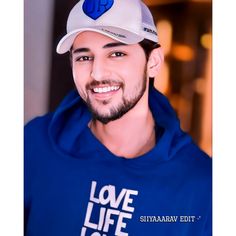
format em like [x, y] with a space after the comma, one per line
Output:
[115, 209]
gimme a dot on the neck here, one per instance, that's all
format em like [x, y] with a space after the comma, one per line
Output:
[130, 136]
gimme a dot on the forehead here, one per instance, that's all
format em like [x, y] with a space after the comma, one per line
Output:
[94, 40]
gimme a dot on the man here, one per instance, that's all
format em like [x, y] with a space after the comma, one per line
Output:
[112, 159]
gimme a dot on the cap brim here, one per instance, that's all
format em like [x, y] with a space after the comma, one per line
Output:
[118, 34]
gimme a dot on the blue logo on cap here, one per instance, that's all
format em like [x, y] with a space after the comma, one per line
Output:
[96, 8]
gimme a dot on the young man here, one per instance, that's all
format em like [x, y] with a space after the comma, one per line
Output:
[112, 159]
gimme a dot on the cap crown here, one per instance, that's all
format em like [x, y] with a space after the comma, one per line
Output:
[128, 21]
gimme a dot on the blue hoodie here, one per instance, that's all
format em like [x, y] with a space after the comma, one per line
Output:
[75, 186]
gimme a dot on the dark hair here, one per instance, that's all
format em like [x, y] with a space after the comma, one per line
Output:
[148, 46]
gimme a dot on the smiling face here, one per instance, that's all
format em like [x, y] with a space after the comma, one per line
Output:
[110, 76]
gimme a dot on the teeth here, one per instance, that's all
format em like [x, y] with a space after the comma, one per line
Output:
[105, 89]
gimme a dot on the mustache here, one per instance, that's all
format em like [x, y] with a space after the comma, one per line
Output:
[108, 82]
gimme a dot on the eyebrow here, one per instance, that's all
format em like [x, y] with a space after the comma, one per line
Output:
[109, 45]
[78, 50]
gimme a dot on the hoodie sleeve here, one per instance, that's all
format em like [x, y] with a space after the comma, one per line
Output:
[27, 175]
[208, 223]
[32, 136]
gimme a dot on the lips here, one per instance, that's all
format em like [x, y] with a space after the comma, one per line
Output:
[106, 89]
[104, 92]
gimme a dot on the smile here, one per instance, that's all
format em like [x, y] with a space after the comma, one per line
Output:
[105, 89]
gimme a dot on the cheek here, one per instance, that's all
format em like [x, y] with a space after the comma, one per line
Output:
[132, 76]
[77, 79]
[80, 79]
[80, 76]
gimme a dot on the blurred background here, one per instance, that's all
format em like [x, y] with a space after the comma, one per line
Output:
[185, 32]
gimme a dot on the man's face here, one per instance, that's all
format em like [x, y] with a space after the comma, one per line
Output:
[109, 76]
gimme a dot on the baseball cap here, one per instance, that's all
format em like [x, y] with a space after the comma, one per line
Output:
[127, 21]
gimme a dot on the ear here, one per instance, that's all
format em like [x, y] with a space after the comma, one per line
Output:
[155, 61]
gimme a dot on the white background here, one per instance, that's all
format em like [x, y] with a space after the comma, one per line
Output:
[11, 118]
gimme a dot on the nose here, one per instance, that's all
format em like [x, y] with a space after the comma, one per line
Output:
[100, 70]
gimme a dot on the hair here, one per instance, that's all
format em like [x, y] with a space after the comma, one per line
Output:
[148, 46]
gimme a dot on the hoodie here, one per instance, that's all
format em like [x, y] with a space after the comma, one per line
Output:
[75, 186]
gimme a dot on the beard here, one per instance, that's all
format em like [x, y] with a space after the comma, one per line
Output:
[125, 105]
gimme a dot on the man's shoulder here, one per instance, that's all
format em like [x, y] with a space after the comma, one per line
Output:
[197, 155]
[38, 125]
[195, 161]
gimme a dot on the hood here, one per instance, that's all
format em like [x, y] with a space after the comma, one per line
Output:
[73, 116]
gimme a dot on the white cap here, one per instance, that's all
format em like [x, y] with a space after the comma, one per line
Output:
[127, 21]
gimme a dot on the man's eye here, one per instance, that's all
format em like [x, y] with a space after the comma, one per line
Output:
[84, 58]
[118, 54]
